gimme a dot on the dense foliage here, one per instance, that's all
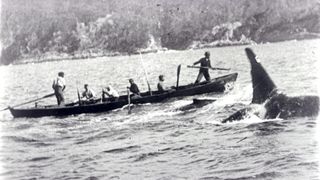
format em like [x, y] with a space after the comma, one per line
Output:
[34, 28]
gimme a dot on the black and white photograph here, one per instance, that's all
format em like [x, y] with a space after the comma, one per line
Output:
[159, 89]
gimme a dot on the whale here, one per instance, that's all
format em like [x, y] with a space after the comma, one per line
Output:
[196, 103]
[270, 103]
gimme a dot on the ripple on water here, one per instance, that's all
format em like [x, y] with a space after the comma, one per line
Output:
[20, 139]
[92, 178]
[145, 156]
[90, 138]
[23, 126]
[120, 150]
[30, 141]
[257, 176]
[39, 158]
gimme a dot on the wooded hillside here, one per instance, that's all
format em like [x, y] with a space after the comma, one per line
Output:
[38, 28]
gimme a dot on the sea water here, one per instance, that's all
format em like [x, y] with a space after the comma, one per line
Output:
[156, 141]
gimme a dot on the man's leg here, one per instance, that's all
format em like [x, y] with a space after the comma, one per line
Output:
[62, 99]
[56, 93]
[61, 96]
[200, 75]
[58, 99]
[207, 75]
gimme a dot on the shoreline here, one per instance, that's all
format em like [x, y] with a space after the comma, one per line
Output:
[79, 56]
[62, 57]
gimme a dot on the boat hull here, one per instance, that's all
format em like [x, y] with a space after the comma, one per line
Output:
[215, 85]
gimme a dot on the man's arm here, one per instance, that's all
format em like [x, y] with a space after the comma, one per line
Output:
[209, 63]
[93, 94]
[53, 84]
[137, 89]
[107, 93]
[160, 87]
[197, 62]
[132, 89]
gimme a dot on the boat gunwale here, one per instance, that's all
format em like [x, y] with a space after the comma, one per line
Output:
[123, 97]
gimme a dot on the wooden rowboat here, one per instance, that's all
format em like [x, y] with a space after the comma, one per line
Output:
[215, 85]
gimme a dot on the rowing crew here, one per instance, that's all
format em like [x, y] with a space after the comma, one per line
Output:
[110, 94]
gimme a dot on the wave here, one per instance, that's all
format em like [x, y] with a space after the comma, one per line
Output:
[39, 158]
[145, 156]
[120, 150]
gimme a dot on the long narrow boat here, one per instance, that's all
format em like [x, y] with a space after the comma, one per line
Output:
[215, 85]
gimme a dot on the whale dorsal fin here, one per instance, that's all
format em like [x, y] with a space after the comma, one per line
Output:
[262, 84]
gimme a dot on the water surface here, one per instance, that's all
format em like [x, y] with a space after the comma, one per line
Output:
[156, 142]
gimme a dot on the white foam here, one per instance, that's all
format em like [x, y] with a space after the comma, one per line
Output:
[238, 95]
[253, 119]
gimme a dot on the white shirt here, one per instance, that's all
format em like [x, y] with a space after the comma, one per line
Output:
[88, 94]
[111, 92]
[60, 82]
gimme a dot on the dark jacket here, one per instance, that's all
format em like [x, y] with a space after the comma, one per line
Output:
[134, 89]
[204, 62]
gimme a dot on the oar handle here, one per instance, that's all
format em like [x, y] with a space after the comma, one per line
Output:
[145, 73]
[46, 96]
[227, 69]
[5, 108]
[79, 98]
[129, 101]
[178, 75]
[212, 68]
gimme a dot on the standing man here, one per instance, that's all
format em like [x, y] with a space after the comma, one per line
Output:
[59, 85]
[205, 64]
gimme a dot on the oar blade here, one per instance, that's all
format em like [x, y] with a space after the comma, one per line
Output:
[43, 97]
[5, 109]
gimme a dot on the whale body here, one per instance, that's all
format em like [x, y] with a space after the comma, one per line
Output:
[273, 104]
[196, 103]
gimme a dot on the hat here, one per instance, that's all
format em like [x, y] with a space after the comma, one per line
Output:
[61, 73]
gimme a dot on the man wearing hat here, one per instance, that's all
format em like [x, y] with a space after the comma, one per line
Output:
[205, 64]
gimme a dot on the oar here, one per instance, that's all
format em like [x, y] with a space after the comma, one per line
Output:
[129, 101]
[79, 98]
[178, 75]
[145, 73]
[212, 68]
[46, 96]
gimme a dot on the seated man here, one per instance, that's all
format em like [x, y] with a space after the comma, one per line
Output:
[88, 95]
[111, 93]
[162, 87]
[161, 83]
[134, 89]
